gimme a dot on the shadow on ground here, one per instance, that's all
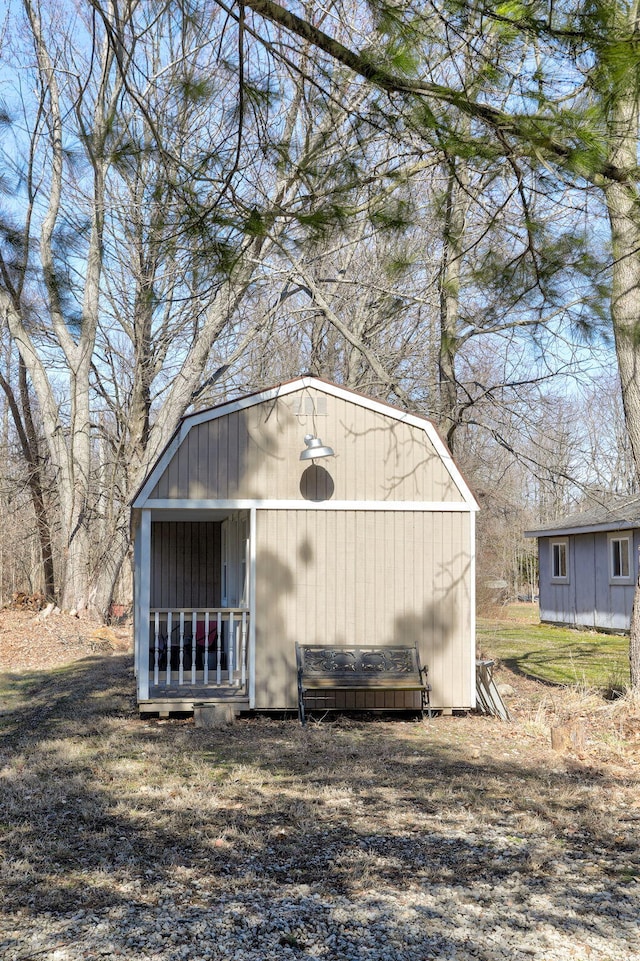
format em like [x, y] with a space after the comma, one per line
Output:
[109, 817]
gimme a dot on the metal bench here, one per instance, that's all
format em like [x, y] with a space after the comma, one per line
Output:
[369, 672]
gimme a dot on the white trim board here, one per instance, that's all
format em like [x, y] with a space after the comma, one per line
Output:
[242, 403]
[185, 504]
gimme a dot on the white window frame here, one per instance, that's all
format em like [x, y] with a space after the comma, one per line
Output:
[620, 539]
[563, 547]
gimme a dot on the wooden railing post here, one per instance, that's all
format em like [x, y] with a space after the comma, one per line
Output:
[205, 666]
[194, 646]
[156, 649]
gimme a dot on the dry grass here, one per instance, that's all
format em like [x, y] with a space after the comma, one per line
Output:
[102, 811]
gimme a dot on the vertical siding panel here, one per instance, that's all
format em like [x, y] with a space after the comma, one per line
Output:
[197, 544]
[378, 598]
[373, 459]
[212, 588]
[162, 487]
[232, 455]
[198, 486]
[460, 603]
[426, 642]
[377, 463]
[287, 439]
[214, 461]
[207, 596]
[329, 586]
[323, 576]
[172, 476]
[241, 440]
[372, 581]
[309, 536]
[183, 459]
[348, 592]
[335, 576]
[393, 629]
[269, 476]
[177, 567]
[225, 463]
[439, 609]
[456, 609]
[166, 573]
[399, 532]
[156, 560]
[350, 468]
[407, 536]
[165, 583]
[360, 574]
[360, 480]
[191, 564]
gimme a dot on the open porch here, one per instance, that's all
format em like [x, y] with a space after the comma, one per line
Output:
[194, 624]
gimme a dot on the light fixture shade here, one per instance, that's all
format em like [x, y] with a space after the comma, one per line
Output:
[315, 448]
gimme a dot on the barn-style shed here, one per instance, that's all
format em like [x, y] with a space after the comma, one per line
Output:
[243, 548]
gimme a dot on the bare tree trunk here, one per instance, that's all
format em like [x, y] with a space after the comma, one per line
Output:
[622, 206]
[450, 272]
[29, 445]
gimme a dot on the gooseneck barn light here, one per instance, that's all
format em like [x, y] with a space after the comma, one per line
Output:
[315, 448]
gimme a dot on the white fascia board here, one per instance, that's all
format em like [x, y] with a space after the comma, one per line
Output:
[302, 505]
[253, 539]
[159, 467]
[587, 529]
[242, 403]
[472, 610]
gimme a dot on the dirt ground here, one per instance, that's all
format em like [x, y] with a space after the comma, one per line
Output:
[30, 641]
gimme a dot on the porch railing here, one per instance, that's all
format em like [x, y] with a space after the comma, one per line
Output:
[199, 647]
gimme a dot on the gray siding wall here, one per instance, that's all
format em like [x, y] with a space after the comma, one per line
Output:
[588, 598]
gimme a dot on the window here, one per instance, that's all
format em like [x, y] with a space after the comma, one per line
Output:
[620, 558]
[559, 560]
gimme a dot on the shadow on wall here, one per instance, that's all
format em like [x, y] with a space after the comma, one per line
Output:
[316, 484]
[275, 669]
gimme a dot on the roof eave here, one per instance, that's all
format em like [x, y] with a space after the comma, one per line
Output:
[586, 529]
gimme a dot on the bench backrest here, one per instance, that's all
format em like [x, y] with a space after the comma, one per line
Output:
[358, 665]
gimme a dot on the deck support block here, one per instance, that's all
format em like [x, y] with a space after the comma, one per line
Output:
[213, 716]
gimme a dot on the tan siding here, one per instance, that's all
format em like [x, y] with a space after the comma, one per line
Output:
[255, 454]
[185, 565]
[363, 577]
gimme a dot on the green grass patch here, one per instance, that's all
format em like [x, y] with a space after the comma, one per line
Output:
[556, 655]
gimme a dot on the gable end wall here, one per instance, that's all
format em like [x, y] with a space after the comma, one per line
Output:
[254, 454]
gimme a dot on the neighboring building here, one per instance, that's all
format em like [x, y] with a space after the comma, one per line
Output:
[588, 566]
[243, 548]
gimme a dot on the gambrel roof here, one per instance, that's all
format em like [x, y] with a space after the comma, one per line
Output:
[261, 435]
